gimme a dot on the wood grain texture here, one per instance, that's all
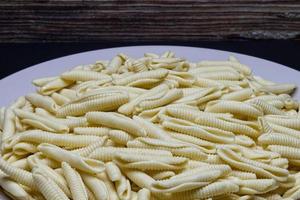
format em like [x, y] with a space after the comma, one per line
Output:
[148, 20]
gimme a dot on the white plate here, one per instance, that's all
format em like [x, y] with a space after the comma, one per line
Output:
[19, 83]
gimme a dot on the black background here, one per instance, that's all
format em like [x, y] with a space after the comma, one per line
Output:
[14, 57]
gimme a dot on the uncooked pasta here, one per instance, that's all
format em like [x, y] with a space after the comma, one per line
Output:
[158, 127]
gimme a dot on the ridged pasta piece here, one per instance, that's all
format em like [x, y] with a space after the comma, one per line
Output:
[116, 121]
[278, 139]
[129, 108]
[113, 171]
[149, 162]
[19, 175]
[21, 163]
[178, 149]
[152, 130]
[285, 151]
[280, 162]
[55, 177]
[69, 93]
[42, 101]
[102, 104]
[44, 123]
[244, 164]
[152, 115]
[243, 175]
[97, 131]
[160, 175]
[96, 186]
[38, 159]
[120, 137]
[75, 182]
[264, 125]
[9, 127]
[211, 190]
[59, 99]
[86, 151]
[12, 188]
[176, 64]
[114, 64]
[54, 85]
[238, 95]
[293, 123]
[267, 108]
[2, 116]
[83, 75]
[233, 107]
[197, 131]
[85, 164]
[184, 79]
[285, 130]
[185, 183]
[108, 153]
[109, 186]
[140, 178]
[235, 65]
[220, 75]
[64, 140]
[24, 148]
[43, 81]
[257, 186]
[168, 97]
[144, 194]
[48, 188]
[157, 75]
[244, 140]
[207, 147]
[279, 88]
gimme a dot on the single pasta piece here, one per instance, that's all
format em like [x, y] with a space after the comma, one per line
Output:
[86, 151]
[120, 137]
[43, 81]
[42, 101]
[54, 86]
[75, 182]
[85, 164]
[97, 131]
[286, 151]
[9, 127]
[48, 188]
[116, 121]
[144, 194]
[83, 75]
[96, 186]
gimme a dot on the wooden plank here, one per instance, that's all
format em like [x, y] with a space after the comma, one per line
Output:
[148, 20]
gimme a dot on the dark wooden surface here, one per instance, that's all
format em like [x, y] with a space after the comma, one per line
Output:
[148, 20]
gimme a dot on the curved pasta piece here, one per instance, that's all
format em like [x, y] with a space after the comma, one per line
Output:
[286, 151]
[152, 130]
[160, 175]
[85, 164]
[24, 148]
[116, 121]
[244, 140]
[149, 162]
[220, 75]
[243, 175]
[42, 101]
[75, 182]
[97, 131]
[278, 139]
[235, 65]
[59, 99]
[211, 190]
[268, 109]
[279, 88]
[120, 137]
[168, 97]
[197, 131]
[176, 148]
[21, 163]
[86, 151]
[109, 186]
[43, 81]
[48, 188]
[44, 123]
[38, 159]
[257, 186]
[244, 164]
[96, 186]
[169, 63]
[114, 64]
[293, 123]
[233, 107]
[64, 140]
[129, 108]
[144, 194]
[9, 127]
[101, 104]
[54, 176]
[108, 153]
[113, 172]
[12, 188]
[84, 75]
[140, 178]
[19, 175]
[54, 85]
[238, 95]
[185, 183]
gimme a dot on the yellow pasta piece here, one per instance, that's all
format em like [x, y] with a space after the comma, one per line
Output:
[279, 88]
[120, 137]
[75, 182]
[116, 121]
[97, 131]
[109, 186]
[38, 159]
[24, 148]
[54, 85]
[113, 171]
[9, 127]
[160, 175]
[257, 186]
[59, 99]
[235, 65]
[76, 161]
[278, 139]
[285, 151]
[293, 123]
[114, 64]
[144, 194]
[43, 81]
[83, 75]
[266, 108]
[86, 151]
[243, 175]
[238, 95]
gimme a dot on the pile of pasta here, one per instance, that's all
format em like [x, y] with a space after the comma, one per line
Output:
[156, 127]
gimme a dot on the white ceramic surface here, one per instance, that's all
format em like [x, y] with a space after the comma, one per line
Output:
[19, 83]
